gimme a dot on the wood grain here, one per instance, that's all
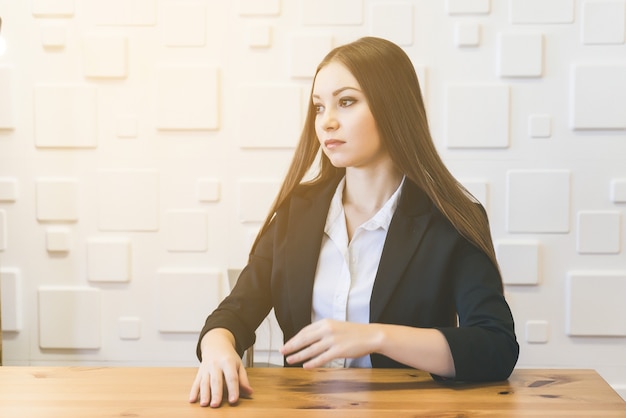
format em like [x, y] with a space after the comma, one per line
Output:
[82, 392]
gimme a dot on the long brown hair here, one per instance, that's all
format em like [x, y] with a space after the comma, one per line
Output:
[389, 82]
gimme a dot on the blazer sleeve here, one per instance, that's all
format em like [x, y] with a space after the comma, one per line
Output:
[249, 302]
[484, 346]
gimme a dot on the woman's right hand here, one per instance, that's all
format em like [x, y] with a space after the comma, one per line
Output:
[221, 369]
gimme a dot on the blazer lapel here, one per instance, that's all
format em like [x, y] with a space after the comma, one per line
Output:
[404, 236]
[307, 218]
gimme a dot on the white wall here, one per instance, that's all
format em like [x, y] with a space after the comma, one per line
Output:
[141, 142]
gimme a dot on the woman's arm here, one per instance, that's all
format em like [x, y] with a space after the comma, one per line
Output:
[323, 341]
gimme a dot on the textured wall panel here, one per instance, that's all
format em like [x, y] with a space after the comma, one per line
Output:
[109, 259]
[11, 302]
[519, 262]
[537, 332]
[188, 98]
[185, 298]
[8, 189]
[184, 23]
[393, 21]
[618, 191]
[258, 125]
[255, 199]
[65, 116]
[127, 126]
[7, 118]
[305, 52]
[105, 55]
[477, 116]
[128, 200]
[603, 21]
[259, 36]
[69, 318]
[53, 35]
[539, 126]
[53, 8]
[599, 232]
[538, 201]
[542, 11]
[57, 199]
[129, 328]
[3, 230]
[598, 97]
[186, 230]
[520, 55]
[332, 12]
[259, 7]
[468, 6]
[208, 190]
[124, 12]
[58, 240]
[467, 34]
[584, 315]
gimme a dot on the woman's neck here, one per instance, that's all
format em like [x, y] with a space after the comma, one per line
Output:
[368, 190]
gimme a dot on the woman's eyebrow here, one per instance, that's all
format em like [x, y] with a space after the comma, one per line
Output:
[336, 92]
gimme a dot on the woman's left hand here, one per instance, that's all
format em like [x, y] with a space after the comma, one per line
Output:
[326, 340]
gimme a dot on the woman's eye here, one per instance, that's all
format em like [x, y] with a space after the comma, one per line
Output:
[346, 101]
[318, 108]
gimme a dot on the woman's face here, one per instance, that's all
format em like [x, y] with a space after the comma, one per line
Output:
[344, 123]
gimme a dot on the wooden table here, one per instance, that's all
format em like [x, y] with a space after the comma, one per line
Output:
[82, 392]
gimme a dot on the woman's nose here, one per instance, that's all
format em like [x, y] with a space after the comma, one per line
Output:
[330, 121]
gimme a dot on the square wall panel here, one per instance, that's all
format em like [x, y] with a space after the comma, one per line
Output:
[208, 190]
[53, 35]
[537, 332]
[259, 36]
[332, 12]
[542, 11]
[109, 259]
[258, 125]
[467, 34]
[129, 328]
[306, 52]
[599, 232]
[603, 22]
[520, 55]
[185, 298]
[184, 23]
[69, 318]
[57, 200]
[618, 191]
[53, 8]
[124, 12]
[105, 56]
[468, 6]
[595, 304]
[538, 201]
[539, 126]
[255, 199]
[477, 116]
[11, 303]
[519, 262]
[8, 189]
[259, 7]
[7, 105]
[128, 200]
[65, 116]
[393, 21]
[3, 230]
[58, 240]
[188, 98]
[598, 97]
[186, 230]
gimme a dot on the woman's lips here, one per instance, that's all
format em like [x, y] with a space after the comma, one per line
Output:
[333, 143]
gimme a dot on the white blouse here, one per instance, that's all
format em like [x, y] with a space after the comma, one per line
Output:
[346, 270]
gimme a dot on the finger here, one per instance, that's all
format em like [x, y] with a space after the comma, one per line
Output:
[231, 379]
[217, 388]
[244, 384]
[306, 337]
[195, 389]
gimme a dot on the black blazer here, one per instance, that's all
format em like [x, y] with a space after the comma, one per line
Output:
[428, 274]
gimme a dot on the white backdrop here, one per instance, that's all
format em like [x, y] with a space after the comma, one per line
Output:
[141, 142]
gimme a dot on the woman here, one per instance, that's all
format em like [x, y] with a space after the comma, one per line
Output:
[382, 259]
